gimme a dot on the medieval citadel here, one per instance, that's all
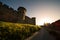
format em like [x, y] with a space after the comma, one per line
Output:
[8, 14]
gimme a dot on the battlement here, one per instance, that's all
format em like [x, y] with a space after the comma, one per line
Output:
[6, 6]
[8, 14]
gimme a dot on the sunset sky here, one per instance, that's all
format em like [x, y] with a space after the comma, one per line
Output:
[44, 11]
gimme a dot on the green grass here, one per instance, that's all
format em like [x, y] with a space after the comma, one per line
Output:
[16, 31]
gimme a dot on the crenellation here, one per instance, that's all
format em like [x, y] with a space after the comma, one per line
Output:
[8, 14]
[6, 6]
[1, 3]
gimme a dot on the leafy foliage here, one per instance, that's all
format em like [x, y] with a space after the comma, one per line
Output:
[16, 31]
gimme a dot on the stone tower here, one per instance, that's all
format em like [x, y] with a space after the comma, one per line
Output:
[21, 13]
[33, 20]
[8, 14]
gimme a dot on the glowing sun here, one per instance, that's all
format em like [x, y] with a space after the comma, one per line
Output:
[45, 20]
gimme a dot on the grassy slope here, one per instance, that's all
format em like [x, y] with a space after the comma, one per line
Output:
[16, 31]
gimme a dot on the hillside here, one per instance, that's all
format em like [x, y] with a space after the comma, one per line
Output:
[16, 31]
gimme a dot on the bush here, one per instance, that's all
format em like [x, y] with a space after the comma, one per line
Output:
[16, 31]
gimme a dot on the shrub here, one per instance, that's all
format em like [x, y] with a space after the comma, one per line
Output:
[16, 31]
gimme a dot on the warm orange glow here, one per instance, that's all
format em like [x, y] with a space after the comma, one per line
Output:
[45, 20]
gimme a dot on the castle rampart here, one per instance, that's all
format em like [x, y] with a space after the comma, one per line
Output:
[8, 14]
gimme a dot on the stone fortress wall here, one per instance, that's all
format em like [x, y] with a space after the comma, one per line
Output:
[8, 14]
